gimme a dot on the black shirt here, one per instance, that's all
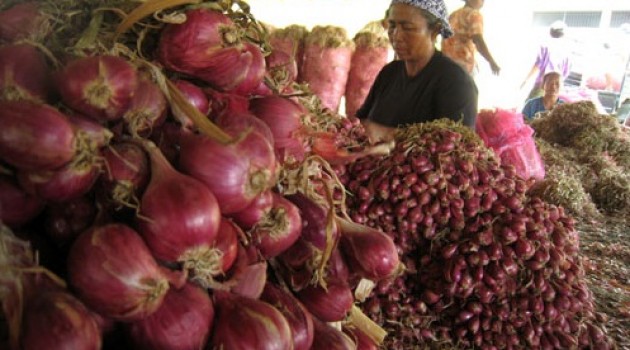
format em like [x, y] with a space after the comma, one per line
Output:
[442, 89]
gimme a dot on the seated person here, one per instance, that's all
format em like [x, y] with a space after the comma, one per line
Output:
[551, 89]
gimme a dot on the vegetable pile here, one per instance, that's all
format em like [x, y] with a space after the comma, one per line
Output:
[590, 148]
[487, 265]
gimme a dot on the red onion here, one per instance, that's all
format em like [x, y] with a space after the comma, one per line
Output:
[245, 323]
[183, 322]
[126, 173]
[147, 109]
[95, 134]
[258, 209]
[17, 207]
[113, 272]
[236, 173]
[235, 123]
[57, 320]
[225, 103]
[249, 280]
[207, 46]
[226, 247]
[300, 320]
[65, 221]
[314, 221]
[369, 252]
[100, 87]
[279, 229]
[34, 136]
[23, 21]
[179, 216]
[195, 96]
[330, 338]
[283, 116]
[70, 182]
[255, 72]
[166, 137]
[282, 67]
[24, 74]
[328, 304]
[363, 341]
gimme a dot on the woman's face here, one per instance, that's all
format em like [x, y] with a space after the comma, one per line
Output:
[409, 33]
[551, 85]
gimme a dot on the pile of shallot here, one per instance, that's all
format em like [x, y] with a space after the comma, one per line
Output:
[487, 265]
[169, 192]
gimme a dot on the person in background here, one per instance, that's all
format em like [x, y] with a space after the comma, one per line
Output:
[422, 84]
[552, 82]
[467, 23]
[553, 55]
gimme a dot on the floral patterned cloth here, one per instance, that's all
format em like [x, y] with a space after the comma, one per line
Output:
[434, 7]
[466, 23]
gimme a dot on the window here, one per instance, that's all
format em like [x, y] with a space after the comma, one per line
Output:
[586, 19]
[617, 18]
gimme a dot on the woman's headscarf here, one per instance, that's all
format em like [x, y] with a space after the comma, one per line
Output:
[434, 7]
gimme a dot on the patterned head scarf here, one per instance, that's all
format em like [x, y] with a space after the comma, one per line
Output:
[434, 7]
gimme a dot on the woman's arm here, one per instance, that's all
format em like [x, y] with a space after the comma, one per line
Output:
[480, 43]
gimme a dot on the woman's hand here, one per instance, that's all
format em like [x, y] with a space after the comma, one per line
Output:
[495, 68]
[378, 133]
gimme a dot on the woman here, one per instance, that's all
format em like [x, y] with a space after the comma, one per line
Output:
[422, 84]
[553, 55]
[467, 23]
[551, 87]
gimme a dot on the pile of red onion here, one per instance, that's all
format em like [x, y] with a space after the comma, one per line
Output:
[487, 266]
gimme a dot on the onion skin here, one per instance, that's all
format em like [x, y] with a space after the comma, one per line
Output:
[207, 47]
[183, 322]
[113, 272]
[266, 328]
[126, 173]
[34, 136]
[100, 87]
[23, 21]
[279, 230]
[68, 183]
[147, 109]
[227, 243]
[300, 320]
[57, 320]
[24, 74]
[236, 173]
[329, 305]
[251, 215]
[255, 73]
[369, 252]
[314, 219]
[180, 216]
[195, 96]
[94, 133]
[329, 338]
[283, 116]
[17, 207]
[361, 339]
[236, 123]
[65, 221]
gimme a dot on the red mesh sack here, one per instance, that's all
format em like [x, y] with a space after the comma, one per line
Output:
[495, 127]
[521, 152]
